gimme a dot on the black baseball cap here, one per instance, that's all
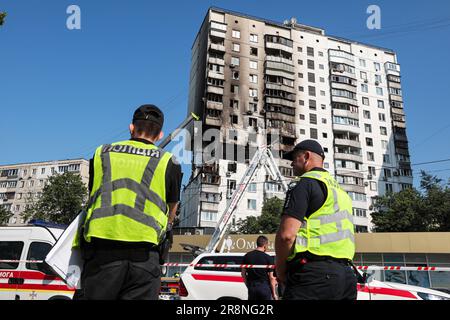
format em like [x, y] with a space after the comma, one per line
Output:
[306, 145]
[149, 112]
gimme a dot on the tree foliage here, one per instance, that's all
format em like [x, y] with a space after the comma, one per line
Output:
[5, 215]
[413, 211]
[2, 18]
[61, 200]
[267, 222]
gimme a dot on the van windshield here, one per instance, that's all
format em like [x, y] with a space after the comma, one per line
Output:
[10, 250]
[220, 260]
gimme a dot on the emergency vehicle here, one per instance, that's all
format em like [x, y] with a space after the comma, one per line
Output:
[23, 276]
[204, 280]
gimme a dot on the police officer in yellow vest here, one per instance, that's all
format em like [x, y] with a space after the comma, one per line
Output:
[315, 241]
[134, 193]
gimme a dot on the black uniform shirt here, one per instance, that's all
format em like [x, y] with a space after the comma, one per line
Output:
[305, 197]
[257, 257]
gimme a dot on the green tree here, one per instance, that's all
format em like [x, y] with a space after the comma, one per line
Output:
[413, 211]
[267, 222]
[2, 18]
[5, 215]
[61, 200]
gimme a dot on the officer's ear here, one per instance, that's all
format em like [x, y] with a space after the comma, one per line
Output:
[132, 129]
[160, 136]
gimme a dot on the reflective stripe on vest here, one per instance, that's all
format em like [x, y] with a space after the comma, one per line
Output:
[307, 242]
[142, 190]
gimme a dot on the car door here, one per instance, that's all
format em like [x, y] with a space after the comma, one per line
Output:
[10, 278]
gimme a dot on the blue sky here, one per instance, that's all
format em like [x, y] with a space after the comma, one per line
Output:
[64, 92]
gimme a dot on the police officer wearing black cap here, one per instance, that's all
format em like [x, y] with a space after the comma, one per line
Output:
[134, 192]
[315, 241]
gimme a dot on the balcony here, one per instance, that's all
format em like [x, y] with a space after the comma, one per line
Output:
[353, 188]
[218, 61]
[392, 68]
[282, 132]
[280, 116]
[215, 75]
[208, 206]
[349, 173]
[279, 66]
[213, 121]
[217, 47]
[279, 46]
[214, 89]
[346, 127]
[348, 156]
[400, 137]
[281, 102]
[340, 56]
[217, 34]
[282, 87]
[345, 113]
[347, 142]
[210, 179]
[344, 100]
[343, 86]
[280, 73]
[214, 105]
[279, 60]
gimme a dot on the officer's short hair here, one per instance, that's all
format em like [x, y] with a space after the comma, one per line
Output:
[147, 128]
[148, 120]
[262, 241]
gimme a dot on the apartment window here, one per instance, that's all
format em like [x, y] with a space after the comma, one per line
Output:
[322, 79]
[253, 51]
[365, 101]
[323, 106]
[302, 117]
[369, 142]
[253, 64]
[379, 91]
[311, 77]
[236, 34]
[363, 75]
[312, 104]
[21, 184]
[299, 49]
[312, 91]
[373, 186]
[19, 196]
[383, 131]
[301, 89]
[209, 216]
[253, 106]
[381, 104]
[322, 93]
[300, 62]
[311, 64]
[302, 131]
[34, 171]
[387, 173]
[251, 187]
[253, 78]
[253, 93]
[313, 133]
[300, 75]
[359, 212]
[234, 104]
[362, 63]
[25, 172]
[326, 165]
[31, 183]
[234, 89]
[389, 187]
[235, 61]
[236, 47]
[43, 171]
[364, 88]
[251, 204]
[367, 128]
[252, 122]
[310, 51]
[370, 156]
[312, 119]
[321, 66]
[53, 170]
[324, 121]
[384, 144]
[253, 38]
[382, 117]
[301, 102]
[366, 114]
[378, 78]
[235, 75]
[320, 54]
[377, 66]
[372, 171]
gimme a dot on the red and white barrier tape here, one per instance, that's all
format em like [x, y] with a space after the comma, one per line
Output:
[252, 266]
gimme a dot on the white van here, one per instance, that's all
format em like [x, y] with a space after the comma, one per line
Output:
[210, 283]
[21, 279]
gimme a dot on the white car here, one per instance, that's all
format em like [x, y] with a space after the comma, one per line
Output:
[210, 283]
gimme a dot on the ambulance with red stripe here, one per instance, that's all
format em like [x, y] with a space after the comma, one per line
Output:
[204, 280]
[23, 276]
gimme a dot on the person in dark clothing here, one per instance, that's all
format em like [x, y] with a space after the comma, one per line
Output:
[121, 237]
[261, 283]
[309, 263]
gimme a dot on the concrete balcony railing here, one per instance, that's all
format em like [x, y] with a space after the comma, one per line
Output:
[218, 61]
[218, 34]
[347, 142]
[345, 127]
[344, 100]
[279, 59]
[349, 173]
[217, 47]
[214, 105]
[215, 75]
[209, 206]
[348, 156]
[353, 188]
[214, 89]
[345, 113]
[213, 121]
[399, 124]
[279, 101]
[282, 87]
[279, 46]
[280, 116]
[280, 73]
[280, 66]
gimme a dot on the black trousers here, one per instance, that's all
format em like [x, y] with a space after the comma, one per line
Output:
[120, 279]
[321, 280]
[259, 290]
